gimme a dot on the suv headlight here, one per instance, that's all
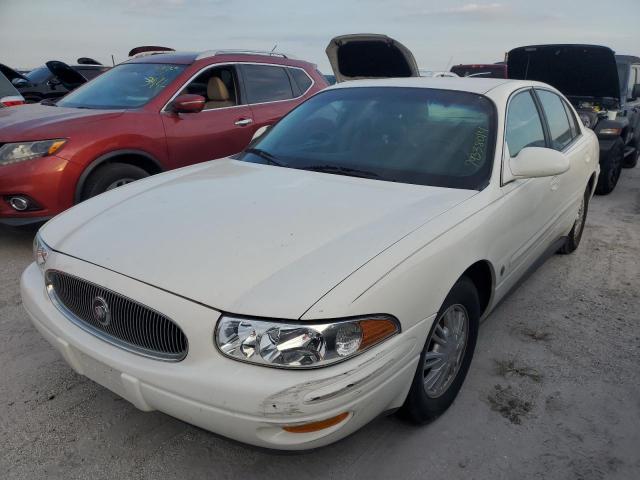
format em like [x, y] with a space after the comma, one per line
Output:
[298, 344]
[41, 251]
[19, 152]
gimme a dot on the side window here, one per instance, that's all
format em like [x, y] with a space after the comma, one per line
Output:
[265, 83]
[556, 114]
[524, 127]
[573, 122]
[301, 79]
[217, 85]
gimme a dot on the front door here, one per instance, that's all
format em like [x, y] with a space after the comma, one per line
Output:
[222, 128]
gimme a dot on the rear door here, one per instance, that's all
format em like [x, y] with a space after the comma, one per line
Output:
[565, 136]
[221, 129]
[368, 55]
[272, 91]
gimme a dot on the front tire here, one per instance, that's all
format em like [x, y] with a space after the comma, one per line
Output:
[610, 168]
[446, 356]
[575, 235]
[111, 176]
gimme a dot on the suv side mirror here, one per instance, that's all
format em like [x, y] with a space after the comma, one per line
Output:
[635, 93]
[533, 162]
[188, 103]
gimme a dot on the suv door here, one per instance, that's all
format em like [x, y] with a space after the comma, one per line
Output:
[272, 91]
[221, 129]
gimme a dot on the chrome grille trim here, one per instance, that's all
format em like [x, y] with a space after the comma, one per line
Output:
[131, 326]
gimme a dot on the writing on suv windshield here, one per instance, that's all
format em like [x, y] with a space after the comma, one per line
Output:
[411, 135]
[130, 85]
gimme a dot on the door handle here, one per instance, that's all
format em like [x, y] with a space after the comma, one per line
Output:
[243, 122]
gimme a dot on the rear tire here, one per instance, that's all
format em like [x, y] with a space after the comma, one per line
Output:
[111, 176]
[610, 168]
[575, 235]
[428, 400]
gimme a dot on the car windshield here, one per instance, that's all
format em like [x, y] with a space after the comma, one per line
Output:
[419, 136]
[39, 75]
[623, 76]
[130, 85]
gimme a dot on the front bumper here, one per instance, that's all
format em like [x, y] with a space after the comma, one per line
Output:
[50, 181]
[245, 402]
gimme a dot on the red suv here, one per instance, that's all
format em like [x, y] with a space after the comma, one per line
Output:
[142, 117]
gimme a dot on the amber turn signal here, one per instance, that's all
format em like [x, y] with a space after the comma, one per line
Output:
[315, 426]
[376, 330]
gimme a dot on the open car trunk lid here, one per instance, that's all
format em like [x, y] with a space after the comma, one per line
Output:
[575, 70]
[68, 77]
[369, 55]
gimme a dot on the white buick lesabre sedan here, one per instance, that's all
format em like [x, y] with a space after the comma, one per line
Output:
[335, 270]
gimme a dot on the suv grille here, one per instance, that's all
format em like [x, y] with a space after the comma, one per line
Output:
[115, 318]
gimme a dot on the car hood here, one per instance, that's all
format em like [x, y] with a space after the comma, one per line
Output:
[41, 122]
[369, 55]
[575, 70]
[246, 238]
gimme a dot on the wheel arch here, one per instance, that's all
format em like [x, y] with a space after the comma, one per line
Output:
[138, 158]
[482, 274]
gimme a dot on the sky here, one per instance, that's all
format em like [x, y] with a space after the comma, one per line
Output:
[439, 33]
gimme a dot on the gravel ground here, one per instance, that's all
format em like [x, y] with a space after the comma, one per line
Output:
[553, 391]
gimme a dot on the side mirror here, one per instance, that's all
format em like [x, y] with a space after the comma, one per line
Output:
[188, 103]
[533, 162]
[635, 93]
[261, 131]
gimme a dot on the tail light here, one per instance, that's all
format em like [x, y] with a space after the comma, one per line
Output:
[11, 101]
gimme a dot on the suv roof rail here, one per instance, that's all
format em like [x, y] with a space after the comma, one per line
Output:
[211, 53]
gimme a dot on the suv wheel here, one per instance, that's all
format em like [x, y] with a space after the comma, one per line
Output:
[111, 176]
[610, 168]
[446, 356]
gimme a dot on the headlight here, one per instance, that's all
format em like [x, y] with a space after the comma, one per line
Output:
[41, 251]
[19, 152]
[301, 344]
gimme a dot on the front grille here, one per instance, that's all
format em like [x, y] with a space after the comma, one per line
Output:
[115, 318]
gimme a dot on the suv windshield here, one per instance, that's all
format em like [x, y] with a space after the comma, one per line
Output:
[410, 135]
[129, 85]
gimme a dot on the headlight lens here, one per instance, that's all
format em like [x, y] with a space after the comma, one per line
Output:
[300, 344]
[41, 251]
[19, 152]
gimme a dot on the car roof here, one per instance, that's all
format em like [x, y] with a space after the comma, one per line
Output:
[187, 58]
[463, 84]
[627, 59]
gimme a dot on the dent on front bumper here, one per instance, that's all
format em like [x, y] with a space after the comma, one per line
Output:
[245, 402]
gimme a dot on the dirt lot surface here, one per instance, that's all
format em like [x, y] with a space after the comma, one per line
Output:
[553, 391]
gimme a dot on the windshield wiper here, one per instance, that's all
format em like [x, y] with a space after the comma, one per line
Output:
[338, 170]
[265, 155]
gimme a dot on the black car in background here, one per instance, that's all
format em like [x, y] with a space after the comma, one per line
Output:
[603, 87]
[52, 80]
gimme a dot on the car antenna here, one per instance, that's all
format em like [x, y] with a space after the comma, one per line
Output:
[449, 64]
[113, 60]
[274, 48]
